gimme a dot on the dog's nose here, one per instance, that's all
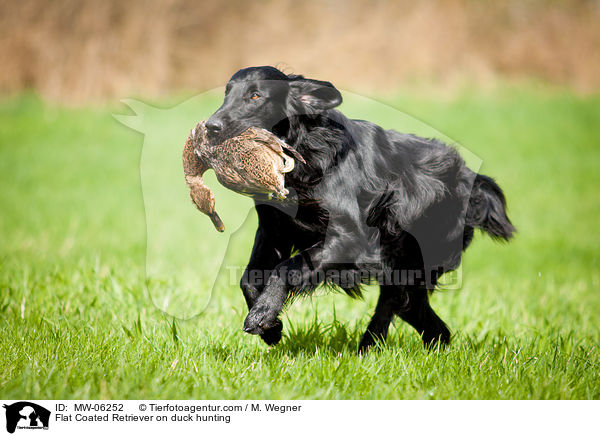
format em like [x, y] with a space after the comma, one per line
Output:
[214, 126]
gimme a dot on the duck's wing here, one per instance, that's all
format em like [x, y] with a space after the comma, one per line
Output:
[250, 174]
[269, 139]
[292, 151]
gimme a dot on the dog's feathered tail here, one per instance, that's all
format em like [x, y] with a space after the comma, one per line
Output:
[487, 209]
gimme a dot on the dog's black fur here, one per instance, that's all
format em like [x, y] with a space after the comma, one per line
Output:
[367, 203]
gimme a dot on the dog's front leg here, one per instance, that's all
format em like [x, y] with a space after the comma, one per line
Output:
[271, 247]
[296, 274]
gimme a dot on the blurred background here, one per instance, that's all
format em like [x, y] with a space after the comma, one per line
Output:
[76, 51]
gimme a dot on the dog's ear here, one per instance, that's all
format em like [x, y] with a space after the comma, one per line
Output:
[314, 95]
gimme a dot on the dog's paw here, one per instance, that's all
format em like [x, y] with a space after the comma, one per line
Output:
[436, 338]
[369, 341]
[260, 319]
[273, 335]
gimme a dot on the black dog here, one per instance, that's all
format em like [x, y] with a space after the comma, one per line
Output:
[368, 205]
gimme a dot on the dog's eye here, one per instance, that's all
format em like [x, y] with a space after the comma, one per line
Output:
[255, 96]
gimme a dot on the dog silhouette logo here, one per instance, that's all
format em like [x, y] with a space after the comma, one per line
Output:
[26, 415]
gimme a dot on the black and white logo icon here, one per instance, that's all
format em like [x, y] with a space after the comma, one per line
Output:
[26, 415]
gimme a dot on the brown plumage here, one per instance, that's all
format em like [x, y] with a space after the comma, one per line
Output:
[252, 163]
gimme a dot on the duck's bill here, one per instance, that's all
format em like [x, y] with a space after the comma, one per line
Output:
[216, 220]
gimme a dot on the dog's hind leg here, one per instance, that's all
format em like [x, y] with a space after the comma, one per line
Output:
[412, 305]
[390, 300]
[419, 314]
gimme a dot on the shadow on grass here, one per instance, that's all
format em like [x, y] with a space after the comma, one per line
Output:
[313, 338]
[306, 339]
[334, 338]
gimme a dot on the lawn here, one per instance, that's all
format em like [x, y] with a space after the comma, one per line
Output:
[104, 268]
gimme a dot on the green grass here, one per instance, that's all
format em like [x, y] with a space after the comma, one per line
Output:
[78, 316]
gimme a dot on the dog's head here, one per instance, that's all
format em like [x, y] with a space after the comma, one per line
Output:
[264, 97]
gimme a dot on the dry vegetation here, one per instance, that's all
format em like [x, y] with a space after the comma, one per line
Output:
[81, 50]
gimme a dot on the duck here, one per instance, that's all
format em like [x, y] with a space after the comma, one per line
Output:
[253, 163]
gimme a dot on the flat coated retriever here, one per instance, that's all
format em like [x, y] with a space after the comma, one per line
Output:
[369, 205]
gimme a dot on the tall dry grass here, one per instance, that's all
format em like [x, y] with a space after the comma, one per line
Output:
[86, 50]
